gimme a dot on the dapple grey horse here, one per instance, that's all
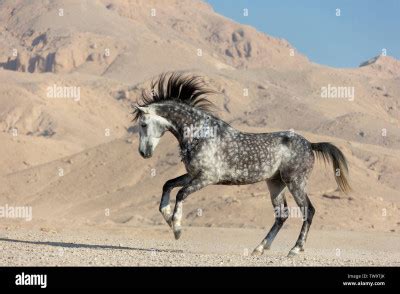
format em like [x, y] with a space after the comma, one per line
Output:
[215, 153]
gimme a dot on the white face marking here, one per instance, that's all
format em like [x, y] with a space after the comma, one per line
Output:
[151, 128]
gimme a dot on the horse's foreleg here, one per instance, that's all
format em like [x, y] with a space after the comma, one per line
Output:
[276, 188]
[165, 208]
[193, 186]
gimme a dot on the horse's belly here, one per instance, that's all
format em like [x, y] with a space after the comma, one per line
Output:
[248, 175]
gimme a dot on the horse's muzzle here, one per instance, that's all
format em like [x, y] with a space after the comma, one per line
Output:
[145, 154]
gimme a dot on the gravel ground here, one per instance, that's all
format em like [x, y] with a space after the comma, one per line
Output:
[155, 246]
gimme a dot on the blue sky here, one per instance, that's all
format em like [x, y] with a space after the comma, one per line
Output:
[362, 30]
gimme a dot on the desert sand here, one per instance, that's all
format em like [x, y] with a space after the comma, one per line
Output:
[116, 245]
[74, 160]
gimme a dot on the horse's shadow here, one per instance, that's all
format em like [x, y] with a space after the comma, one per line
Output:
[89, 246]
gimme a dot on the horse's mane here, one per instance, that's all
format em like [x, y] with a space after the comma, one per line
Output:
[179, 88]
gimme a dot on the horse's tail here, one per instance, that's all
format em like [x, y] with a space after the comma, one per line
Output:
[330, 153]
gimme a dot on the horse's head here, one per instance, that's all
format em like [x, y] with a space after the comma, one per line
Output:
[151, 128]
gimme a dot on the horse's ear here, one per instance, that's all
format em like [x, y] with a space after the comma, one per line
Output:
[142, 109]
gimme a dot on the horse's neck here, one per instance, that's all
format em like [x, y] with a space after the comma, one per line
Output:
[185, 121]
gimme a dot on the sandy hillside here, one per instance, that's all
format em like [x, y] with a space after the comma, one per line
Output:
[75, 161]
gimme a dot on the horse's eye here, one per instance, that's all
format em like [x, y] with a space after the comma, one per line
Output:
[143, 125]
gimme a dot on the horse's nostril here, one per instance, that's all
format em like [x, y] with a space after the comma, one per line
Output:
[145, 154]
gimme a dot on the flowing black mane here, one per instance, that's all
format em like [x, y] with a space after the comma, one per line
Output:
[179, 88]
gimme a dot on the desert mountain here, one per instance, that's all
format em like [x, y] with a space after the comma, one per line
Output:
[384, 65]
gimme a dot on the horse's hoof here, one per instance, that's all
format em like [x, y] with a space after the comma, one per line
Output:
[169, 222]
[292, 253]
[258, 251]
[177, 233]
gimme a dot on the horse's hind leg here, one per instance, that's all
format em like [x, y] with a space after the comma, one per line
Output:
[276, 188]
[297, 187]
